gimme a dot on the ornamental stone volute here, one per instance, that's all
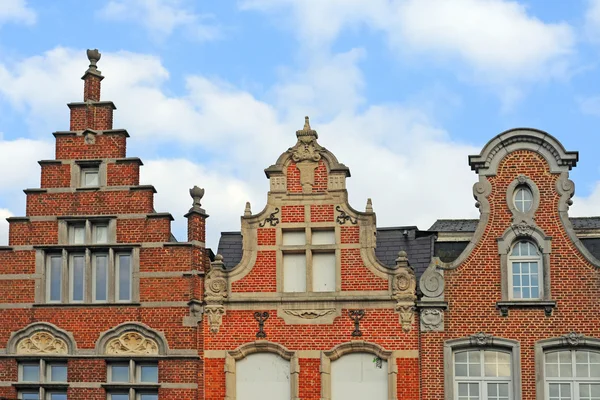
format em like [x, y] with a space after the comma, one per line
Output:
[215, 293]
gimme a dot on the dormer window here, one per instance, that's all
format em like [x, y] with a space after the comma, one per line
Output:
[309, 260]
[523, 199]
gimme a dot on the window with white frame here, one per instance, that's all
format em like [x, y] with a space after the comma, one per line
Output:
[42, 380]
[89, 269]
[90, 176]
[523, 199]
[309, 260]
[482, 375]
[132, 380]
[572, 375]
[525, 271]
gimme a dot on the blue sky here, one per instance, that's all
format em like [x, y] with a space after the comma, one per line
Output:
[402, 91]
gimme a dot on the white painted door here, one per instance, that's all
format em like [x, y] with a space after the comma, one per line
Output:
[263, 376]
[357, 377]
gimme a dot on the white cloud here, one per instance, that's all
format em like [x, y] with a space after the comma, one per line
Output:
[16, 11]
[592, 20]
[590, 105]
[499, 42]
[162, 17]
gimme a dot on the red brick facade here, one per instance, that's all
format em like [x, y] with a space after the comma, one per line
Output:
[193, 316]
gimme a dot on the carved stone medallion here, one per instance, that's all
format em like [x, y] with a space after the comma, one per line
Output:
[132, 343]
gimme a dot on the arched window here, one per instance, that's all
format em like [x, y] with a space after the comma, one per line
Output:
[263, 376]
[572, 374]
[482, 374]
[525, 271]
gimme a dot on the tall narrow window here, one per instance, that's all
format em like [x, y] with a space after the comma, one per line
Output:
[294, 272]
[525, 264]
[77, 277]
[572, 375]
[54, 278]
[482, 374]
[123, 277]
[100, 271]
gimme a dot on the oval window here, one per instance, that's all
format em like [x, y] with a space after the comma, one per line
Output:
[523, 199]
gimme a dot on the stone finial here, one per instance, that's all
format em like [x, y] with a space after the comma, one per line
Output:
[247, 210]
[402, 259]
[197, 194]
[307, 133]
[94, 56]
[369, 207]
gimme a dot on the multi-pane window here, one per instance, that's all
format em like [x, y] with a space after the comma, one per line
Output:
[309, 260]
[42, 380]
[482, 375]
[89, 269]
[523, 199]
[572, 375]
[525, 267]
[132, 380]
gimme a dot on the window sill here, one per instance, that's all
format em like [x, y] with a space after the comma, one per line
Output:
[125, 385]
[124, 304]
[46, 385]
[547, 305]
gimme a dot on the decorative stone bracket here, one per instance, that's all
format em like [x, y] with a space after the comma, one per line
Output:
[432, 304]
[215, 293]
[404, 285]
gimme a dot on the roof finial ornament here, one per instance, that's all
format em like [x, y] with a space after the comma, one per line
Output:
[94, 56]
[369, 207]
[306, 134]
[247, 210]
[196, 193]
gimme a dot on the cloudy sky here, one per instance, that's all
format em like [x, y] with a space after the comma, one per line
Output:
[402, 91]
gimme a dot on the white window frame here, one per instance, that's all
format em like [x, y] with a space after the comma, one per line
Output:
[309, 250]
[571, 342]
[89, 170]
[482, 341]
[481, 380]
[526, 259]
[516, 201]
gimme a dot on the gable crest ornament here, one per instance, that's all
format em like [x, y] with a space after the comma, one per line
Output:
[307, 148]
[42, 343]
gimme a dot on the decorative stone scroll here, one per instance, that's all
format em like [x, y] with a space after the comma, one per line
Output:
[132, 343]
[42, 343]
[404, 285]
[574, 339]
[215, 293]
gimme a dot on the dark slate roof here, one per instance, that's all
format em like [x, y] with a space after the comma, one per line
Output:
[469, 225]
[230, 247]
[418, 246]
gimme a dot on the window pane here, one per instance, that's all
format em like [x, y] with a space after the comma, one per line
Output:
[124, 276]
[55, 278]
[149, 396]
[497, 391]
[31, 372]
[90, 178]
[77, 234]
[149, 373]
[294, 238]
[101, 277]
[294, 273]
[468, 391]
[119, 396]
[58, 396]
[29, 396]
[323, 272]
[559, 391]
[100, 234]
[497, 364]
[77, 277]
[57, 373]
[323, 237]
[119, 373]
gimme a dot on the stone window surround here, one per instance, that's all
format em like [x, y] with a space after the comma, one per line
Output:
[358, 346]
[77, 168]
[260, 346]
[491, 343]
[308, 248]
[43, 386]
[567, 342]
[519, 182]
[135, 387]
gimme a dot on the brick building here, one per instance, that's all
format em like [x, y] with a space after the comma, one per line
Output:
[310, 299]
